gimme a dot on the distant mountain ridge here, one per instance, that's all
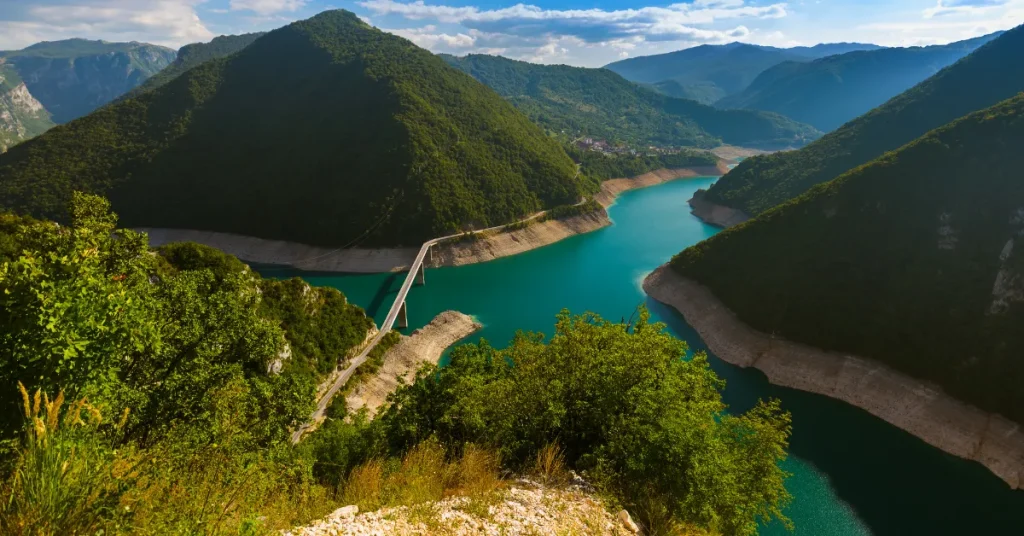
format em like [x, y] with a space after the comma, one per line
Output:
[602, 104]
[915, 259]
[989, 75]
[830, 91]
[715, 71]
[326, 132]
[74, 77]
[194, 54]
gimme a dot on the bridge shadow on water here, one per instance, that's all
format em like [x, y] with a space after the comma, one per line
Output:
[895, 483]
[390, 287]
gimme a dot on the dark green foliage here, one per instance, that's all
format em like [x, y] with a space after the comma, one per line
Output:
[573, 101]
[704, 93]
[601, 167]
[726, 68]
[639, 419]
[830, 91]
[192, 55]
[989, 75]
[897, 260]
[326, 131]
[74, 77]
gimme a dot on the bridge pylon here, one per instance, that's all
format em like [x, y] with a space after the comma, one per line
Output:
[403, 317]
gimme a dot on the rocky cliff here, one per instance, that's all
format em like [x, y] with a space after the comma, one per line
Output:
[21, 115]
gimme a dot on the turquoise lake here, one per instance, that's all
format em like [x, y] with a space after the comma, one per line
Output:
[853, 474]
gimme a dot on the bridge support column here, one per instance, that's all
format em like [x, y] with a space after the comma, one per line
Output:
[421, 274]
[430, 255]
[403, 317]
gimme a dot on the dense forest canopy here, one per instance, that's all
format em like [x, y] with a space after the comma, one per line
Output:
[830, 91]
[326, 131]
[914, 259]
[575, 101]
[989, 75]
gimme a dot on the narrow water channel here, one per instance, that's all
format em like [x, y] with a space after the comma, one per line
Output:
[852, 473]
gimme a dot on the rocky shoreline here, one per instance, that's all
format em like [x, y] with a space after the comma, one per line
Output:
[481, 249]
[917, 407]
[715, 214]
[404, 359]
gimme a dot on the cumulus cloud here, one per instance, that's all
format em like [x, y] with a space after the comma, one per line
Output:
[267, 7]
[164, 22]
[676, 22]
[429, 37]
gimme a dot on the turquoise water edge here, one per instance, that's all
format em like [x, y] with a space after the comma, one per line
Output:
[852, 473]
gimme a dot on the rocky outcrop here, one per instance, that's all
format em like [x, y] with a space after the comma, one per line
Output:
[918, 407]
[525, 508]
[21, 115]
[715, 214]
[404, 359]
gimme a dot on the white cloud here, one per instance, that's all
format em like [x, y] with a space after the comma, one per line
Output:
[675, 22]
[267, 7]
[429, 37]
[164, 22]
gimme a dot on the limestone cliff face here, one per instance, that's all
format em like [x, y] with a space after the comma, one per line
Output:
[74, 77]
[21, 115]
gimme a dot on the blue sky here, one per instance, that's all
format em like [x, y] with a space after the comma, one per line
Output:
[575, 32]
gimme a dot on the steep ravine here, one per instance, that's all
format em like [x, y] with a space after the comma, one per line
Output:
[917, 407]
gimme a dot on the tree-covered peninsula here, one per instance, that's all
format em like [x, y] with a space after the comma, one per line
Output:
[915, 259]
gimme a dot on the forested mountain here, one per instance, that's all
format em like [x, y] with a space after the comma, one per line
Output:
[191, 55]
[830, 91]
[989, 75]
[716, 71]
[326, 131]
[915, 259]
[21, 115]
[599, 103]
[74, 77]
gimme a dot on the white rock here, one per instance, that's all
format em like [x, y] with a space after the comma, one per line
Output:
[628, 522]
[345, 512]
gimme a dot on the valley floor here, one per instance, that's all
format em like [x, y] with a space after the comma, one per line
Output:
[488, 246]
[917, 407]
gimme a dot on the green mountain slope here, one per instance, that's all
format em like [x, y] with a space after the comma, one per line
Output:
[830, 91]
[989, 75]
[326, 131]
[915, 259]
[192, 55]
[74, 77]
[729, 68]
[597, 102]
[21, 115]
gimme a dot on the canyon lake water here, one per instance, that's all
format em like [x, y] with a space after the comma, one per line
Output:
[852, 473]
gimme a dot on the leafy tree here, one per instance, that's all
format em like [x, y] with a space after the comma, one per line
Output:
[642, 420]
